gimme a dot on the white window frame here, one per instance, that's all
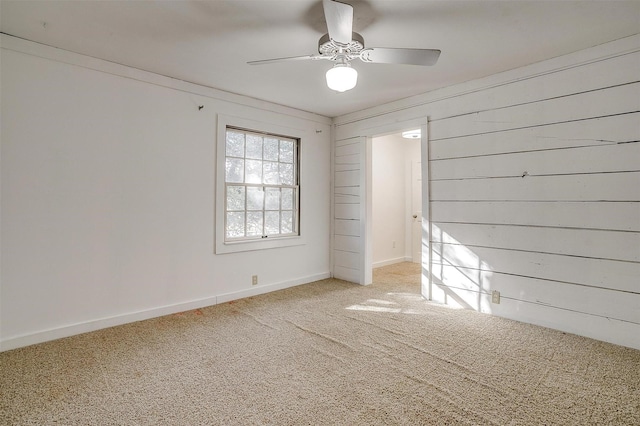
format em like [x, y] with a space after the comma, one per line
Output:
[221, 245]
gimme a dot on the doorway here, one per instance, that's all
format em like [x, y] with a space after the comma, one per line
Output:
[396, 199]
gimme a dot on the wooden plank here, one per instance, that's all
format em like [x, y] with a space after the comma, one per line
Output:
[610, 303]
[342, 273]
[348, 190]
[609, 158]
[382, 118]
[609, 274]
[575, 242]
[347, 211]
[347, 259]
[597, 187]
[346, 199]
[593, 132]
[584, 324]
[465, 261]
[607, 303]
[615, 100]
[613, 216]
[346, 167]
[575, 79]
[347, 178]
[347, 150]
[352, 160]
[462, 298]
[347, 227]
[347, 243]
[348, 141]
[464, 278]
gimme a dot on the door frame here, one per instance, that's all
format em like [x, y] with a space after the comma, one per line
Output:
[366, 180]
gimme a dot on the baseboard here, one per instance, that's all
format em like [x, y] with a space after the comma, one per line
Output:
[261, 289]
[98, 324]
[391, 262]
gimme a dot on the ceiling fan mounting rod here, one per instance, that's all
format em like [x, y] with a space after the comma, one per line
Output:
[341, 59]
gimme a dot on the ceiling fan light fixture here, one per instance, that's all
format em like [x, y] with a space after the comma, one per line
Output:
[342, 45]
[342, 77]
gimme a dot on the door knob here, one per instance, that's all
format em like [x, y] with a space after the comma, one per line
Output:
[415, 216]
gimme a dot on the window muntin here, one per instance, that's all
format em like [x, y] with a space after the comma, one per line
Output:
[261, 186]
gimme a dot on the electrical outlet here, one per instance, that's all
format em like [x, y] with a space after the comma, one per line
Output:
[394, 244]
[495, 297]
[254, 280]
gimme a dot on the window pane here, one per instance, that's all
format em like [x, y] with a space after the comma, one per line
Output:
[235, 144]
[287, 198]
[271, 223]
[234, 170]
[254, 223]
[286, 151]
[255, 197]
[254, 171]
[286, 174]
[272, 199]
[271, 175]
[271, 149]
[286, 222]
[235, 198]
[260, 171]
[235, 224]
[254, 147]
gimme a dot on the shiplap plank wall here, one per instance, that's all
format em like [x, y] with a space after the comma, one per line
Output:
[533, 190]
[347, 220]
[539, 198]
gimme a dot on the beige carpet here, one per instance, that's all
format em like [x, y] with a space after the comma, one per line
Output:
[327, 353]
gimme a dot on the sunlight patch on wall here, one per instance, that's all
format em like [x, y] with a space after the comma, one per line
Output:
[460, 277]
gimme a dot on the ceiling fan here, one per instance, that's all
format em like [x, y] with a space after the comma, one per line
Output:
[341, 45]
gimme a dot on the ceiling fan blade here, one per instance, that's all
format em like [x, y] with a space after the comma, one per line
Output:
[339, 17]
[386, 55]
[290, 58]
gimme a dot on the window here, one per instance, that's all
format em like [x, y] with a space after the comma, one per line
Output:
[261, 189]
[260, 173]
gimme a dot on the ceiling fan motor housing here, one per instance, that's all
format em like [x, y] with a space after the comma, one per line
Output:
[329, 47]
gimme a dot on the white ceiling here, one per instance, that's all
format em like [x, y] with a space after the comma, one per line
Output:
[209, 42]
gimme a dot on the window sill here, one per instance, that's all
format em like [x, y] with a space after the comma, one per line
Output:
[240, 246]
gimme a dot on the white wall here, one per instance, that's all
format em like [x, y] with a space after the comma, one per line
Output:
[108, 196]
[388, 200]
[534, 190]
